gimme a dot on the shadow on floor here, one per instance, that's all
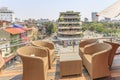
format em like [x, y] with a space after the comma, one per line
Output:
[18, 77]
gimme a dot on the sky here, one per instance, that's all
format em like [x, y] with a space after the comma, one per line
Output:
[49, 9]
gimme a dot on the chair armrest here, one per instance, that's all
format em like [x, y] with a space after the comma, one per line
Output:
[51, 45]
[114, 46]
[99, 53]
[82, 43]
[100, 63]
[112, 43]
[100, 58]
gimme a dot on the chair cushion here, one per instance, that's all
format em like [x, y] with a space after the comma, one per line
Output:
[88, 58]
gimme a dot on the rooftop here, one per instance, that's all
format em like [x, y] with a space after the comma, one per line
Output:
[5, 10]
[12, 30]
[14, 71]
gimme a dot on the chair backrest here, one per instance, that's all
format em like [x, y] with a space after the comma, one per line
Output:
[97, 48]
[47, 44]
[113, 51]
[87, 41]
[32, 50]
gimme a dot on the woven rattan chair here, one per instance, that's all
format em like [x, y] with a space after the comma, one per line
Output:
[35, 62]
[113, 52]
[50, 48]
[95, 60]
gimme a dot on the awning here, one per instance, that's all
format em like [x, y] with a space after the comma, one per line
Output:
[111, 11]
[17, 26]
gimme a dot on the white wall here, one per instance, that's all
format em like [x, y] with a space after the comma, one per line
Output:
[7, 16]
[4, 49]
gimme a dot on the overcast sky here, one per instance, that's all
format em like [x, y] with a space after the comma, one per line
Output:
[50, 8]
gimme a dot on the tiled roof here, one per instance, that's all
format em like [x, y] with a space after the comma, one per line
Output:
[14, 30]
[4, 21]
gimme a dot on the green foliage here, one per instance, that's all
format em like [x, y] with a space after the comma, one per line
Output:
[54, 29]
[106, 31]
[85, 26]
[99, 27]
[50, 28]
[118, 30]
[107, 28]
[61, 19]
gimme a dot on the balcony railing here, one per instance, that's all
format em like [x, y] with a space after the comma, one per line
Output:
[71, 17]
[69, 22]
[70, 27]
[69, 32]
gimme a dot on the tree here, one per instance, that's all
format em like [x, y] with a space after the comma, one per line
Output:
[34, 34]
[49, 27]
[54, 29]
[85, 26]
[92, 26]
[99, 27]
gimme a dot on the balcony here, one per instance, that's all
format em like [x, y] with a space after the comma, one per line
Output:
[70, 32]
[71, 17]
[14, 72]
[69, 27]
[69, 22]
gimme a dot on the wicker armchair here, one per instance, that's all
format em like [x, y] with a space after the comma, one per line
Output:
[95, 60]
[35, 62]
[83, 43]
[113, 52]
[49, 46]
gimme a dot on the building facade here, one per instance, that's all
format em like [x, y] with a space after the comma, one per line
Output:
[107, 19]
[86, 20]
[94, 17]
[69, 28]
[6, 14]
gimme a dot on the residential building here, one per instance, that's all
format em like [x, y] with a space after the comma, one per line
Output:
[4, 23]
[94, 17]
[4, 43]
[86, 20]
[15, 36]
[6, 14]
[69, 26]
[107, 19]
[44, 20]
[27, 34]
[11, 36]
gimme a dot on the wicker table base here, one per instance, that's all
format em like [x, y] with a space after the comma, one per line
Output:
[70, 64]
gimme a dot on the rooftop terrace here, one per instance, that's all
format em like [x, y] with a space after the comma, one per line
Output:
[14, 71]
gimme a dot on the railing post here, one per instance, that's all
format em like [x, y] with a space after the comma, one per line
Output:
[110, 39]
